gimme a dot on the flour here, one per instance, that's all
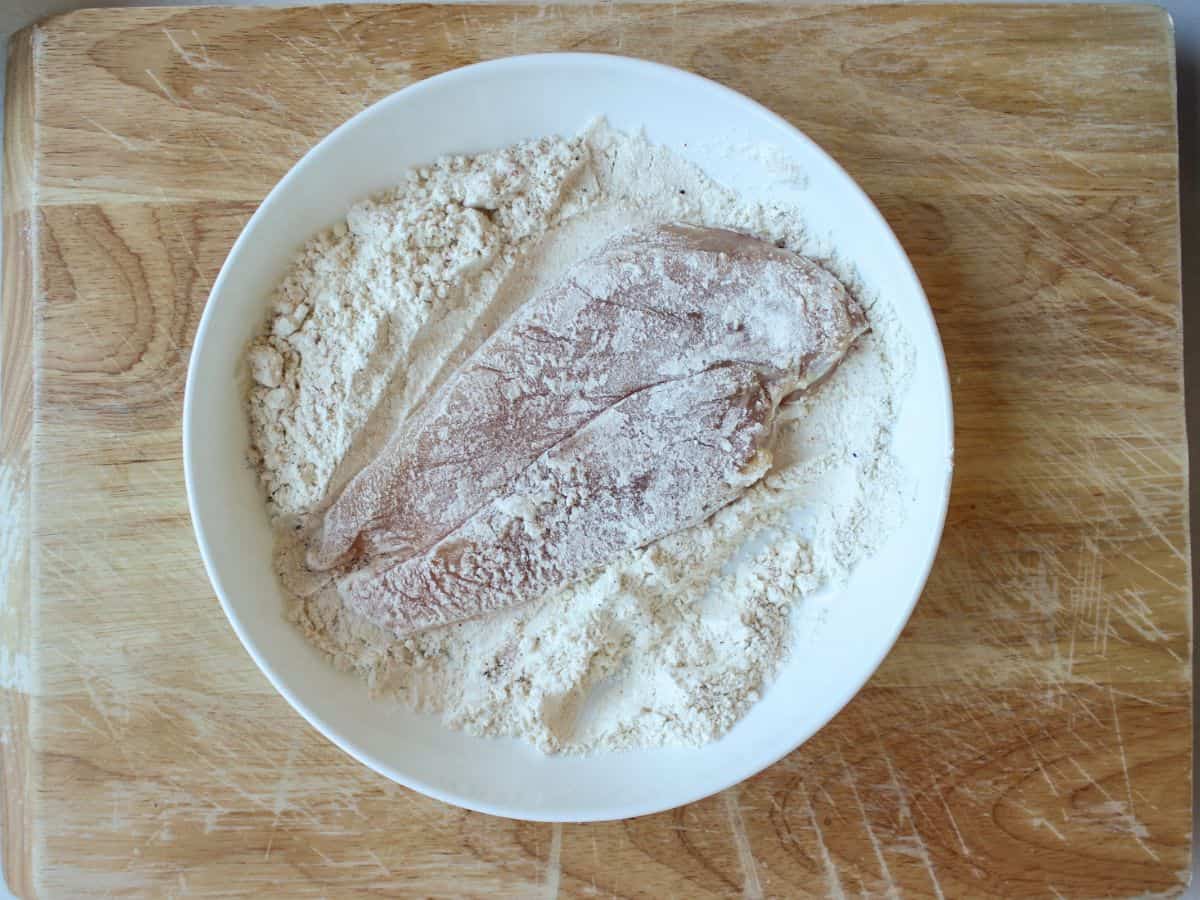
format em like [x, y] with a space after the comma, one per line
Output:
[349, 311]
[670, 644]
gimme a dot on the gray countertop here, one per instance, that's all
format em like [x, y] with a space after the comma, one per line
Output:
[16, 14]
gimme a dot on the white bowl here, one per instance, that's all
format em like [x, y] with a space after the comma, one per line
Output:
[469, 110]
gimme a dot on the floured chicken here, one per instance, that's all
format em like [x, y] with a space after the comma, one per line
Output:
[632, 399]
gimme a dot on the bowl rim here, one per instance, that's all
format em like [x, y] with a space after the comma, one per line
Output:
[515, 811]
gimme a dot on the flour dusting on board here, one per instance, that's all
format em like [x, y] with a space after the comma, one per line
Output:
[670, 644]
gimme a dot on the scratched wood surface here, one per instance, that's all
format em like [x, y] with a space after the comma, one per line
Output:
[1029, 735]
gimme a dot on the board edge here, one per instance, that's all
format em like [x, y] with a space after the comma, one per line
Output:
[17, 289]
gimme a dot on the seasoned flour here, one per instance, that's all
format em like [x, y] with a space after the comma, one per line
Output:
[670, 644]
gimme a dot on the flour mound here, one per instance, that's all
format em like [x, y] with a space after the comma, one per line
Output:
[352, 306]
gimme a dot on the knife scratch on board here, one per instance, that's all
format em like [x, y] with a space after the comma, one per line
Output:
[833, 880]
[283, 785]
[201, 61]
[554, 861]
[918, 842]
[1136, 829]
[751, 884]
[893, 889]
[166, 91]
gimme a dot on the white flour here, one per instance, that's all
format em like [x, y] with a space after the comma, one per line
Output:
[361, 295]
[670, 644]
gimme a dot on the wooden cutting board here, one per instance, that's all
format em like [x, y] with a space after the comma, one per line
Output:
[1030, 734]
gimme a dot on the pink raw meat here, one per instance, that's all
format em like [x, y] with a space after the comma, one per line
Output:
[630, 400]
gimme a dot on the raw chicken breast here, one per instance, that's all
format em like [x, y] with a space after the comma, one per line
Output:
[663, 458]
[651, 373]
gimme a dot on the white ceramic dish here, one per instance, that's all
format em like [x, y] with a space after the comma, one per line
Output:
[483, 107]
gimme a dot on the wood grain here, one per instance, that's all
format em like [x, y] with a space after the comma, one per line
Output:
[16, 434]
[1029, 736]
